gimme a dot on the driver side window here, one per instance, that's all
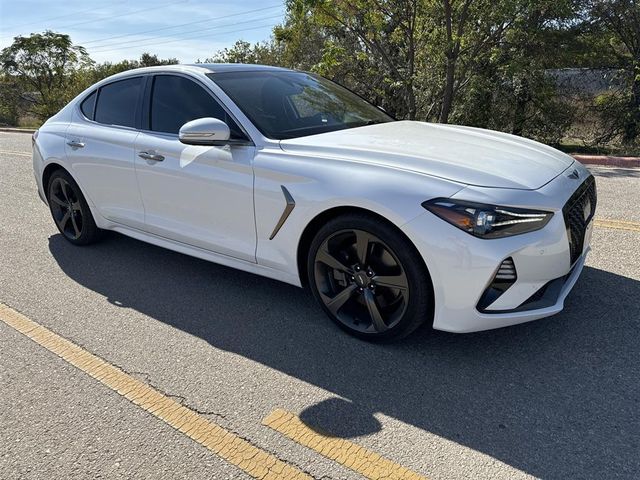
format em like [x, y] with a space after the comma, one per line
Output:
[177, 100]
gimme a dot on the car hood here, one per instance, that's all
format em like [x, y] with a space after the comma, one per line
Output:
[472, 156]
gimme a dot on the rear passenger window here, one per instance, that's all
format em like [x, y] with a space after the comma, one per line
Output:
[177, 100]
[87, 106]
[117, 102]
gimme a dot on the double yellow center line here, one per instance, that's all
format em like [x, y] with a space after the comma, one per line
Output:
[9, 152]
[227, 445]
[359, 459]
[617, 224]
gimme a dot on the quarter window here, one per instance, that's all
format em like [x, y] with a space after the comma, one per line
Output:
[87, 106]
[118, 101]
[177, 100]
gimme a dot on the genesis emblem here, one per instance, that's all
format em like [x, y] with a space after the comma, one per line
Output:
[575, 174]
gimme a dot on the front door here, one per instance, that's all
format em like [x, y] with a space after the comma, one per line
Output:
[201, 196]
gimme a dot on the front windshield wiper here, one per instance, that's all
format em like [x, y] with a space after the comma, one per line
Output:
[366, 124]
[317, 129]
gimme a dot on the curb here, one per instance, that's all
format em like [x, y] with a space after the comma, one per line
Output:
[608, 161]
[17, 130]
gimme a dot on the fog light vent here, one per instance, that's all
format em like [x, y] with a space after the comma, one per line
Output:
[506, 271]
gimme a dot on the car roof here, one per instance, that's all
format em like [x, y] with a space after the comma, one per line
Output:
[236, 67]
[198, 68]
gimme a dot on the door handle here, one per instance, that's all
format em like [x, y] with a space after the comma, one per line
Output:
[151, 156]
[75, 144]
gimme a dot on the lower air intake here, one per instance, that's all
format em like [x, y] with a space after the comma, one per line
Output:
[505, 276]
[506, 272]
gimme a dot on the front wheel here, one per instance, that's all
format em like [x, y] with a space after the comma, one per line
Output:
[369, 278]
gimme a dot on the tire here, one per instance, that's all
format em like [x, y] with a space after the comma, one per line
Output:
[369, 278]
[70, 210]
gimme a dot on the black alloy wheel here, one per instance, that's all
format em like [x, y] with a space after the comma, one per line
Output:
[373, 285]
[70, 210]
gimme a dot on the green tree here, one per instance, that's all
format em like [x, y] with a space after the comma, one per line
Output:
[619, 22]
[96, 72]
[152, 60]
[9, 101]
[265, 53]
[45, 67]
[466, 31]
[391, 33]
[513, 90]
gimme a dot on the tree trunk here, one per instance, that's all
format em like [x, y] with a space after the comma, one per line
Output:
[519, 116]
[632, 128]
[411, 102]
[447, 99]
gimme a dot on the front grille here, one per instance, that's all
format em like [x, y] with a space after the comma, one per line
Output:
[578, 212]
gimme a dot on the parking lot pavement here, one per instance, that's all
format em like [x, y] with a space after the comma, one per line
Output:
[556, 398]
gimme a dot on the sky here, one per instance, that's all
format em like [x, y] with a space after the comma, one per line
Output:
[123, 29]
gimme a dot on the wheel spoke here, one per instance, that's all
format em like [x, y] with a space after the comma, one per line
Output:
[75, 225]
[65, 219]
[374, 312]
[392, 281]
[334, 304]
[58, 200]
[329, 260]
[65, 192]
[75, 206]
[362, 246]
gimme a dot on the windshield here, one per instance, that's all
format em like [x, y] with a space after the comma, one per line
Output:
[295, 104]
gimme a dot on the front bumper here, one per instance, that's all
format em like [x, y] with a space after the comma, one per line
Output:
[463, 266]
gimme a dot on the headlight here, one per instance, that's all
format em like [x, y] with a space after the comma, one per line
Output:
[487, 221]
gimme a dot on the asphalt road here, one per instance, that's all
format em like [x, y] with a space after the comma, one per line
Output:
[557, 398]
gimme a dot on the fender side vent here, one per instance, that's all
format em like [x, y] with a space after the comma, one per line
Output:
[288, 208]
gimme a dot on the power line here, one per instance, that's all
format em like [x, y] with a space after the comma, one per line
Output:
[136, 43]
[153, 44]
[127, 13]
[13, 27]
[109, 17]
[182, 39]
[182, 24]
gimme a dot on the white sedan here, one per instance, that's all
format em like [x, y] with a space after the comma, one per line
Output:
[282, 173]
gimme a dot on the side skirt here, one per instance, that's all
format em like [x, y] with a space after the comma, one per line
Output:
[207, 255]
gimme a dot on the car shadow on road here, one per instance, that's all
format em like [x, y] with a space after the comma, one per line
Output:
[557, 398]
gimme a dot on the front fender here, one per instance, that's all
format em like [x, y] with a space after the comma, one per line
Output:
[320, 184]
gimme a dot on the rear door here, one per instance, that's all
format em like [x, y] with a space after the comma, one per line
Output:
[198, 195]
[100, 146]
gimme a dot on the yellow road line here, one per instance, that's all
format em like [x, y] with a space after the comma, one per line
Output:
[617, 224]
[225, 444]
[359, 459]
[624, 222]
[15, 153]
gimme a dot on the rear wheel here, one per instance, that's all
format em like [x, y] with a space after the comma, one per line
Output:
[70, 210]
[369, 278]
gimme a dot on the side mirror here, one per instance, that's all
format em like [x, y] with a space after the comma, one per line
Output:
[205, 131]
